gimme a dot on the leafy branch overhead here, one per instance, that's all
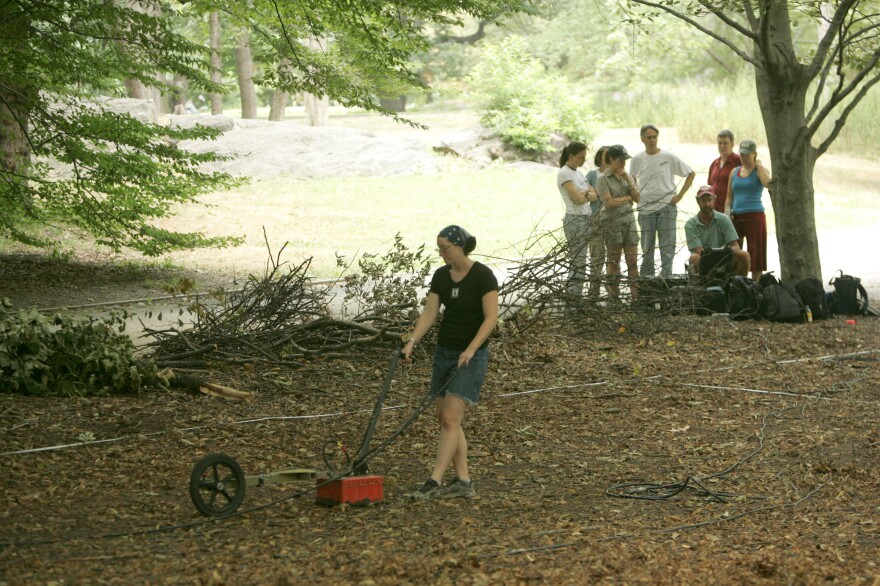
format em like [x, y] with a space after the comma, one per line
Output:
[842, 64]
[68, 157]
[365, 48]
[69, 160]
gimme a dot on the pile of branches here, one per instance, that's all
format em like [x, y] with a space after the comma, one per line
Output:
[277, 320]
[535, 294]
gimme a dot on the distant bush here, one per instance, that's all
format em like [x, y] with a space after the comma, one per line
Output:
[698, 110]
[525, 104]
[59, 355]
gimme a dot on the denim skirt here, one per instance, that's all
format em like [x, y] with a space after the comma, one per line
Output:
[465, 382]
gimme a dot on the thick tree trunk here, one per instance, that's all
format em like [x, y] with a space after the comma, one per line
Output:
[178, 95]
[791, 189]
[136, 89]
[317, 107]
[16, 97]
[792, 197]
[278, 106]
[216, 62]
[782, 86]
[244, 65]
[317, 110]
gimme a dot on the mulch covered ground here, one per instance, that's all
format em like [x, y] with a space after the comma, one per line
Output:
[778, 423]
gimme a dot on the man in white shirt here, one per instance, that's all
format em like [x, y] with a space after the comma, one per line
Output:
[654, 171]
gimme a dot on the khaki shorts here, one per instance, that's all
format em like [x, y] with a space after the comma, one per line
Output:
[622, 232]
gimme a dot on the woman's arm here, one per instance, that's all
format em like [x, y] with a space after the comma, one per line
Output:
[423, 324]
[576, 195]
[763, 173]
[490, 318]
[615, 202]
[728, 203]
[634, 194]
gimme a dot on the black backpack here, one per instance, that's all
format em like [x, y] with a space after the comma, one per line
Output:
[743, 298]
[711, 300]
[849, 297]
[766, 280]
[781, 303]
[813, 295]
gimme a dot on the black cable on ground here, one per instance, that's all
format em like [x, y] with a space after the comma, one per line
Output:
[665, 491]
[653, 491]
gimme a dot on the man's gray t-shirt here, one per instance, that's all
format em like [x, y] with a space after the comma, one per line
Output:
[655, 176]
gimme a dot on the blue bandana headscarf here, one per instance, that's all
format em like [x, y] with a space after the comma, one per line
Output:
[458, 236]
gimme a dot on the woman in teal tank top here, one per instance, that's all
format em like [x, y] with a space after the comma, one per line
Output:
[745, 207]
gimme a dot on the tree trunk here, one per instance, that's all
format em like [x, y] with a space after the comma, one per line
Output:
[317, 109]
[136, 89]
[178, 95]
[279, 97]
[244, 66]
[278, 105]
[216, 62]
[13, 142]
[782, 86]
[16, 97]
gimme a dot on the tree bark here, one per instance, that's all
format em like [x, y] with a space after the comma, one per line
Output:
[278, 106]
[317, 109]
[178, 94]
[216, 62]
[16, 97]
[244, 65]
[136, 89]
[782, 85]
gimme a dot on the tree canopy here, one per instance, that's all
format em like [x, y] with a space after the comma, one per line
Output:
[69, 159]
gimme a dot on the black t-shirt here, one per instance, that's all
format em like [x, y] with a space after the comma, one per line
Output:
[463, 302]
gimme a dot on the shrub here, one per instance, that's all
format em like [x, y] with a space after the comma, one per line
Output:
[59, 355]
[390, 286]
[523, 103]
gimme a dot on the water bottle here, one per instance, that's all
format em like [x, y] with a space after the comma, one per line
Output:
[808, 314]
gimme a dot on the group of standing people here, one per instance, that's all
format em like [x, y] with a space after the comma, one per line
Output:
[600, 222]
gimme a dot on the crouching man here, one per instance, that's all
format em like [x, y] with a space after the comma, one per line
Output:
[712, 241]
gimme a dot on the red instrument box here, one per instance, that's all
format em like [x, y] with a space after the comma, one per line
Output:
[355, 490]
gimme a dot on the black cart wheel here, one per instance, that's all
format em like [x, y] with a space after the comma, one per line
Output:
[216, 485]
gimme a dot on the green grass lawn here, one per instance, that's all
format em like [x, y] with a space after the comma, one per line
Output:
[502, 207]
[320, 218]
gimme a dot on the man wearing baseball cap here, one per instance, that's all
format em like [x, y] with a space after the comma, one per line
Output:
[709, 231]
